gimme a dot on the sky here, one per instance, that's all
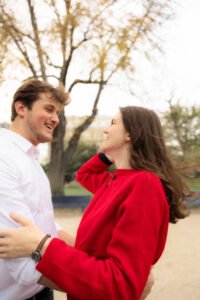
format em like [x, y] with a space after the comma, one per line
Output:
[176, 72]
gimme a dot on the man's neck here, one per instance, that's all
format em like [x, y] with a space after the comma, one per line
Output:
[20, 129]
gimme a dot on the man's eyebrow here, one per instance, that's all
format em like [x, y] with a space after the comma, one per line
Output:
[50, 105]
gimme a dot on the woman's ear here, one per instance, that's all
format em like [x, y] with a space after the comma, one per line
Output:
[20, 108]
[128, 138]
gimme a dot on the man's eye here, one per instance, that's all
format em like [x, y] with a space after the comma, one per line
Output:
[49, 109]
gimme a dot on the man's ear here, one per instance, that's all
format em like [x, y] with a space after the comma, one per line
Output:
[20, 108]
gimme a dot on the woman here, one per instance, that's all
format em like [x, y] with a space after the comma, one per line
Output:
[124, 229]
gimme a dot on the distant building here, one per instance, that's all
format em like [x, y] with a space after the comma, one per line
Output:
[94, 133]
[4, 125]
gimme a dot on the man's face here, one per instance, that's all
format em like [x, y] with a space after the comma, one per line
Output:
[42, 119]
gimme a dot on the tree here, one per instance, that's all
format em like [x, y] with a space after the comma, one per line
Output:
[98, 37]
[82, 153]
[182, 130]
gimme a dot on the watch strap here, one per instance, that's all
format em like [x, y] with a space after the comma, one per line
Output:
[36, 255]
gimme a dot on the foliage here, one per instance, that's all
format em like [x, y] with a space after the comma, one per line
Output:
[82, 153]
[182, 131]
[194, 183]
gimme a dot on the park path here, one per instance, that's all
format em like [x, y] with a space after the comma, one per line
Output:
[177, 274]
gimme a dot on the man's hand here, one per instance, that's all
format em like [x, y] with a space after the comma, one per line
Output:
[21, 241]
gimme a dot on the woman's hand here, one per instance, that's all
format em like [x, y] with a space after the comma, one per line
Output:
[21, 241]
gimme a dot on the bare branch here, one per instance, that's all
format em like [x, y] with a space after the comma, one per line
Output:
[49, 62]
[37, 39]
[53, 3]
[92, 72]
[94, 18]
[47, 76]
[89, 81]
[17, 37]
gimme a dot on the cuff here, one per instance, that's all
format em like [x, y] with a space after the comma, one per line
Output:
[50, 256]
[104, 158]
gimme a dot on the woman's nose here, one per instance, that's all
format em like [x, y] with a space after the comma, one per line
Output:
[105, 130]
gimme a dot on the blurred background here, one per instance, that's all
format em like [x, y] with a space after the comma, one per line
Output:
[111, 53]
[107, 53]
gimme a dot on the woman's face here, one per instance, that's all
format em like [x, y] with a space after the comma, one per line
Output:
[117, 138]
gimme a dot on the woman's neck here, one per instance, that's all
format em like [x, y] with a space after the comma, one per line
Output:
[122, 164]
[122, 160]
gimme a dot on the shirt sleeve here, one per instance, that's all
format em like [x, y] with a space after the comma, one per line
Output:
[22, 270]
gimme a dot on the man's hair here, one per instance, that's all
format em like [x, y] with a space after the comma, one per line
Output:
[149, 152]
[30, 91]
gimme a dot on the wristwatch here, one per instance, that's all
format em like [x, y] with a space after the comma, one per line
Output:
[36, 255]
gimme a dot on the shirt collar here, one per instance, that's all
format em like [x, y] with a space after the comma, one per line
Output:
[21, 142]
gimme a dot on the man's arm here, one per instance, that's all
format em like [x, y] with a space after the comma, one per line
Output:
[48, 283]
[21, 270]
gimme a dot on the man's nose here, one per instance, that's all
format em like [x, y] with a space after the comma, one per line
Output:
[55, 118]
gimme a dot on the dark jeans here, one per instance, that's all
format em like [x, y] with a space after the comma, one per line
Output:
[45, 294]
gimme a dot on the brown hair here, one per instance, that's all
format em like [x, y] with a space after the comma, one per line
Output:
[149, 153]
[29, 92]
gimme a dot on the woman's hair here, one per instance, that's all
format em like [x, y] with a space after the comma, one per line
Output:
[30, 91]
[148, 152]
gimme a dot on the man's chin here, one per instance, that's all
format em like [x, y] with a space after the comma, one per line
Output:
[49, 139]
[46, 139]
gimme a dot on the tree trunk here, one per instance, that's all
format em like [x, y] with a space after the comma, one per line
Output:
[56, 170]
[59, 157]
[73, 142]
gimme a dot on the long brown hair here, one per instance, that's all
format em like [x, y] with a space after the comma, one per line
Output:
[149, 153]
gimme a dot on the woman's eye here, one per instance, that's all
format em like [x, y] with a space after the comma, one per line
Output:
[112, 122]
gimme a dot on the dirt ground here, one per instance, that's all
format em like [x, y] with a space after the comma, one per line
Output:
[177, 274]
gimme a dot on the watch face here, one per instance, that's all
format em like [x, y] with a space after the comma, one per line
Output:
[36, 256]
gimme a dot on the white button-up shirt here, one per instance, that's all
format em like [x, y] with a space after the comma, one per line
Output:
[24, 189]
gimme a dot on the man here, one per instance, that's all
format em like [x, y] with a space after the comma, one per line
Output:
[24, 187]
